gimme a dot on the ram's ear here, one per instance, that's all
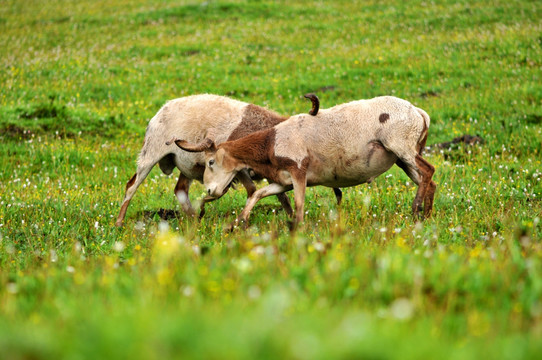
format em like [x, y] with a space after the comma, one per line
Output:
[206, 145]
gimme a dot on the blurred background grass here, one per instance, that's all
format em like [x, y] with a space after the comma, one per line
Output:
[81, 79]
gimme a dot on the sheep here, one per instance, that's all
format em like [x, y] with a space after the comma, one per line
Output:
[346, 145]
[191, 117]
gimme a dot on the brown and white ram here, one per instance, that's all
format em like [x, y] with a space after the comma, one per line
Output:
[346, 145]
[190, 118]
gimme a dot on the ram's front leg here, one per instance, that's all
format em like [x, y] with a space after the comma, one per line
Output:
[299, 182]
[271, 189]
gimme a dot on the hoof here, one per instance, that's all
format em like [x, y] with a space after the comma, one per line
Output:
[292, 226]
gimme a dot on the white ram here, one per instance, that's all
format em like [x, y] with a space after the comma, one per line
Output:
[190, 118]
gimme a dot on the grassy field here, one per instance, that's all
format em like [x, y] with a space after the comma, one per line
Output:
[79, 82]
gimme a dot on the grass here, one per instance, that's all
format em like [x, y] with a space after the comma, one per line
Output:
[80, 80]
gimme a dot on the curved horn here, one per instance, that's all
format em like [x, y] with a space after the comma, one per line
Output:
[206, 145]
[315, 103]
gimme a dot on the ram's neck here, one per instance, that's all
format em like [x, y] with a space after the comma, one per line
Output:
[252, 149]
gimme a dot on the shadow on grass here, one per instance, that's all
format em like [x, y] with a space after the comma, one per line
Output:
[164, 214]
[168, 214]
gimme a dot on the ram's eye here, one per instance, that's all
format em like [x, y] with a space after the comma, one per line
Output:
[211, 162]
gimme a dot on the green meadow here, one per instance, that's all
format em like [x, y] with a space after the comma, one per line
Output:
[79, 81]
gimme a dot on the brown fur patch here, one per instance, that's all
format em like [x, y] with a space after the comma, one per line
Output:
[285, 163]
[131, 181]
[426, 190]
[254, 147]
[198, 168]
[426, 168]
[255, 118]
[383, 117]
[257, 151]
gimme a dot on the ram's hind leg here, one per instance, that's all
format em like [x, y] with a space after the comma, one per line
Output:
[421, 172]
[181, 193]
[429, 192]
[131, 187]
[339, 195]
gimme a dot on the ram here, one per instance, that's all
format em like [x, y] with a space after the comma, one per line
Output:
[190, 118]
[346, 145]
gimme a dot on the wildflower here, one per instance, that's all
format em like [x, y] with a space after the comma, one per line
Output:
[163, 227]
[53, 256]
[318, 246]
[119, 246]
[257, 251]
[254, 292]
[139, 226]
[243, 265]
[196, 250]
[402, 309]
[10, 249]
[12, 288]
[187, 290]
[401, 242]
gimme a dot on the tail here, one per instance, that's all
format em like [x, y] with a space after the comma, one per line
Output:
[425, 117]
[423, 136]
[315, 103]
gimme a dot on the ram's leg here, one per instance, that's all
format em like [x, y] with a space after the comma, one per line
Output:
[181, 193]
[247, 182]
[204, 201]
[131, 187]
[338, 194]
[299, 182]
[271, 189]
[421, 172]
[285, 202]
[429, 192]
